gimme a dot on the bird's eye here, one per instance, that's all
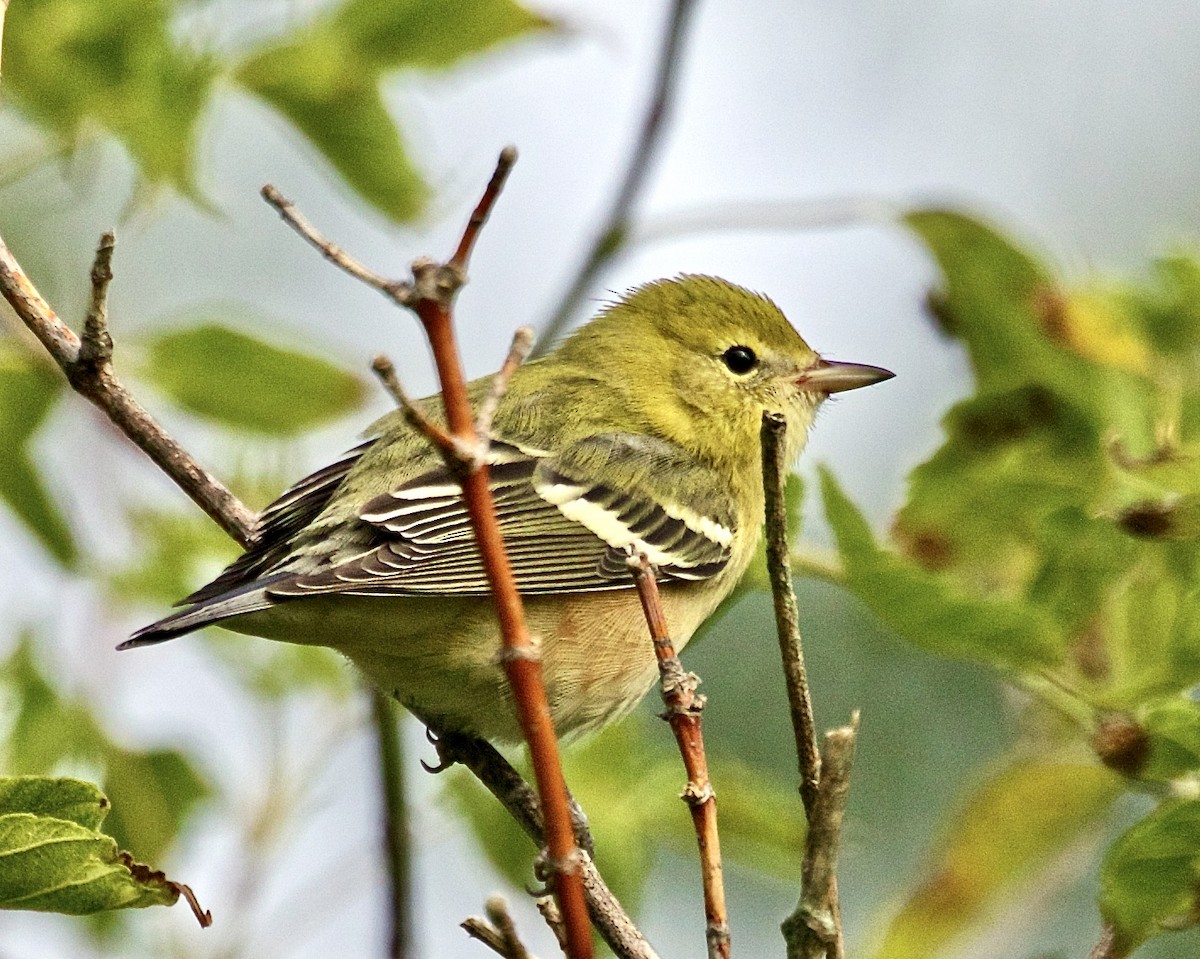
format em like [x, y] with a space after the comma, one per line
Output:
[740, 359]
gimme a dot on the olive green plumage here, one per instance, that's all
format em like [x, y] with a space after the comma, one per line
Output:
[639, 433]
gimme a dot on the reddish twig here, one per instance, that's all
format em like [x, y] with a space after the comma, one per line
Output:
[684, 706]
[515, 795]
[430, 295]
[87, 364]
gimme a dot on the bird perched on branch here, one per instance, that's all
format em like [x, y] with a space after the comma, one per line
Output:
[639, 433]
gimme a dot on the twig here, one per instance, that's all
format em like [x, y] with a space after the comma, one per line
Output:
[443, 441]
[430, 296]
[483, 209]
[611, 235]
[814, 214]
[787, 615]
[814, 930]
[498, 932]
[553, 918]
[522, 343]
[88, 367]
[399, 292]
[396, 851]
[684, 706]
[505, 783]
[1109, 945]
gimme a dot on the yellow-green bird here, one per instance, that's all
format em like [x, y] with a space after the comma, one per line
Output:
[639, 433]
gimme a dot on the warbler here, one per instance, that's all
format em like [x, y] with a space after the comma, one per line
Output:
[638, 434]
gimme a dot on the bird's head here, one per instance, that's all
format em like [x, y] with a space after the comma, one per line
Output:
[706, 358]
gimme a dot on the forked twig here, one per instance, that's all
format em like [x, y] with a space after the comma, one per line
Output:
[814, 930]
[683, 711]
[430, 295]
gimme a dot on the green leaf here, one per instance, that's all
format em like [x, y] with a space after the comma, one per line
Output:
[28, 391]
[1004, 833]
[73, 63]
[244, 382]
[71, 799]
[326, 81]
[1151, 875]
[1173, 728]
[55, 864]
[928, 611]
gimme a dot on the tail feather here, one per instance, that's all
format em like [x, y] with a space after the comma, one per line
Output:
[250, 598]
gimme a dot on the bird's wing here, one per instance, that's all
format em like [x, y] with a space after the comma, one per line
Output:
[278, 525]
[563, 529]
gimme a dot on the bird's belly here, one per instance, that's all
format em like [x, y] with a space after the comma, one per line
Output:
[439, 657]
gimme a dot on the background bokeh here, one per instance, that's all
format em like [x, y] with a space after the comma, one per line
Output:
[1071, 121]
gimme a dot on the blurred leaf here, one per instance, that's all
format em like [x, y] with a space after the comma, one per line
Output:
[277, 670]
[1006, 830]
[28, 391]
[327, 81]
[925, 609]
[152, 794]
[1173, 728]
[175, 549]
[156, 789]
[241, 381]
[72, 63]
[55, 864]
[1151, 876]
[1176, 518]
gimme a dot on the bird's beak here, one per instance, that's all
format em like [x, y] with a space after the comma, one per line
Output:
[830, 376]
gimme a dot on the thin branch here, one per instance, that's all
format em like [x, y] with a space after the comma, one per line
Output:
[1109, 945]
[787, 615]
[443, 441]
[767, 215]
[612, 233]
[505, 783]
[88, 367]
[814, 930]
[684, 706]
[430, 295]
[399, 292]
[553, 918]
[498, 932]
[483, 209]
[397, 854]
[522, 344]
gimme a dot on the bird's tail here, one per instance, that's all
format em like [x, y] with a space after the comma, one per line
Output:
[250, 598]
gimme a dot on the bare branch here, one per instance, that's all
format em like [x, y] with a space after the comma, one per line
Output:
[430, 296]
[1109, 945]
[386, 371]
[483, 209]
[397, 854]
[612, 233]
[814, 930]
[88, 367]
[549, 910]
[498, 932]
[505, 783]
[787, 614]
[521, 345]
[396, 291]
[684, 706]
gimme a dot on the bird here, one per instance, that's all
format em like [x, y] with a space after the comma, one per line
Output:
[638, 434]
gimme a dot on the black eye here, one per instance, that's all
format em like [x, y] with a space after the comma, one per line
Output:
[740, 359]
